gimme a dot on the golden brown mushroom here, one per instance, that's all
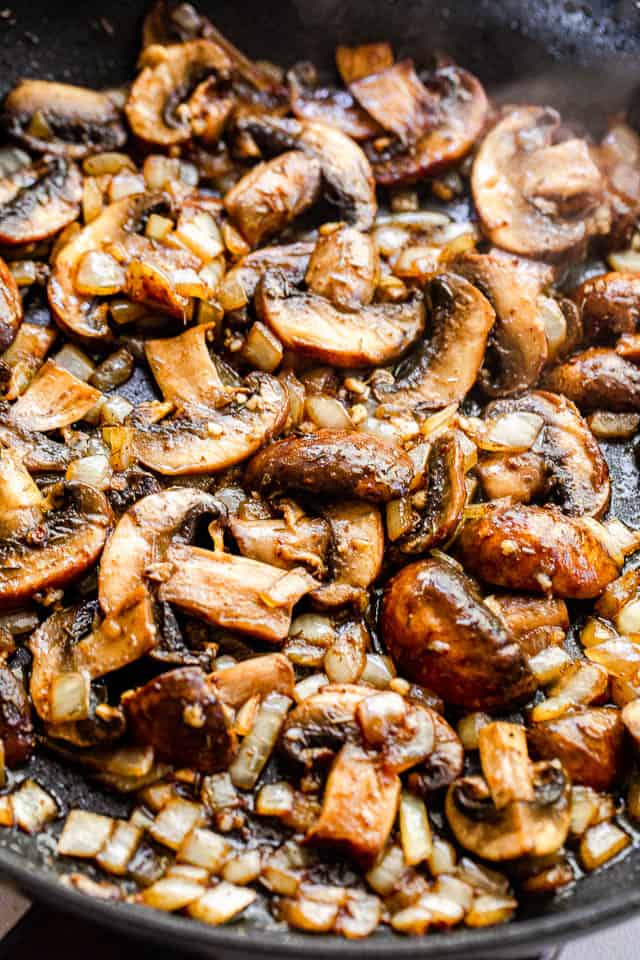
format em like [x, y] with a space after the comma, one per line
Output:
[609, 305]
[589, 742]
[11, 312]
[344, 267]
[183, 368]
[38, 200]
[55, 399]
[597, 379]
[355, 555]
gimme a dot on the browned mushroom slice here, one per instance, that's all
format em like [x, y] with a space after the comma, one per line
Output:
[443, 636]
[588, 742]
[71, 541]
[267, 198]
[329, 105]
[609, 305]
[81, 315]
[203, 440]
[443, 370]
[536, 198]
[316, 729]
[181, 717]
[143, 535]
[284, 544]
[10, 307]
[210, 108]
[518, 347]
[536, 827]
[598, 379]
[170, 74]
[38, 200]
[53, 400]
[618, 157]
[359, 807]
[537, 549]
[357, 551]
[25, 355]
[446, 495]
[310, 325]
[456, 115]
[520, 476]
[258, 676]
[183, 368]
[346, 173]
[16, 725]
[535, 622]
[575, 474]
[398, 100]
[333, 462]
[39, 453]
[242, 280]
[233, 592]
[344, 267]
[444, 764]
[21, 502]
[62, 119]
[356, 62]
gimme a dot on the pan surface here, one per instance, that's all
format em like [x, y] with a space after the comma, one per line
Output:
[538, 50]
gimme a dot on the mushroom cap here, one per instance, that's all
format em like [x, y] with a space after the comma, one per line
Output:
[597, 379]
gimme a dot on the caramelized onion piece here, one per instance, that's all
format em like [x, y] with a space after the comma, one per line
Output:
[79, 121]
[333, 462]
[443, 636]
[536, 549]
[39, 200]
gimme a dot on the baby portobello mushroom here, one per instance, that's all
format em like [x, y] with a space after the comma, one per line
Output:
[273, 194]
[181, 716]
[346, 174]
[444, 368]
[314, 327]
[589, 742]
[291, 259]
[442, 635]
[356, 553]
[257, 676]
[517, 348]
[142, 537]
[598, 379]
[537, 549]
[55, 399]
[204, 440]
[530, 827]
[343, 267]
[183, 368]
[332, 462]
[233, 592]
[158, 108]
[38, 200]
[536, 197]
[436, 122]
[21, 502]
[11, 312]
[609, 305]
[565, 462]
[60, 550]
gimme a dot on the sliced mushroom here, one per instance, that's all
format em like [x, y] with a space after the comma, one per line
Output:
[535, 827]
[444, 764]
[182, 718]
[329, 105]
[359, 807]
[233, 592]
[16, 725]
[333, 462]
[292, 259]
[443, 636]
[446, 496]
[314, 327]
[402, 731]
[588, 742]
[344, 267]
[598, 379]
[535, 622]
[21, 502]
[282, 543]
[142, 537]
[443, 369]
[518, 347]
[81, 315]
[257, 676]
[537, 549]
[318, 727]
[53, 400]
[398, 100]
[156, 107]
[70, 541]
[204, 440]
[609, 305]
[346, 173]
[183, 368]
[273, 194]
[39, 453]
[62, 119]
[536, 198]
[27, 351]
[39, 200]
[10, 307]
[575, 475]
[360, 61]
[356, 554]
[453, 111]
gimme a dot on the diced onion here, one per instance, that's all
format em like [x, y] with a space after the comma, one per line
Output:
[548, 664]
[387, 872]
[620, 657]
[601, 843]
[69, 697]
[257, 746]
[310, 685]
[171, 893]
[415, 830]
[596, 631]
[430, 909]
[443, 857]
[275, 799]
[94, 471]
[551, 708]
[554, 322]
[120, 847]
[514, 432]
[201, 234]
[221, 904]
[125, 185]
[378, 671]
[628, 619]
[242, 869]
[99, 274]
[417, 262]
[158, 227]
[24, 272]
[327, 412]
[102, 163]
[309, 915]
[399, 517]
[84, 834]
[92, 200]
[469, 728]
[262, 349]
[115, 410]
[175, 821]
[627, 261]
[204, 848]
[74, 361]
[487, 910]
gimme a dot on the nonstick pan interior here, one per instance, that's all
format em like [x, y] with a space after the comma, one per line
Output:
[584, 60]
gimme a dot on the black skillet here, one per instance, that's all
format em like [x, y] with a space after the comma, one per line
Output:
[584, 59]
